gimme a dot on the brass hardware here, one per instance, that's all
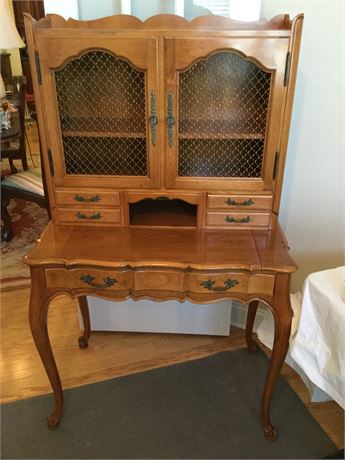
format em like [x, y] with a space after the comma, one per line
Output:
[95, 216]
[92, 199]
[243, 220]
[107, 282]
[210, 285]
[231, 202]
[170, 120]
[153, 120]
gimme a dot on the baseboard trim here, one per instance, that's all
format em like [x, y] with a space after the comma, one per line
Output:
[239, 315]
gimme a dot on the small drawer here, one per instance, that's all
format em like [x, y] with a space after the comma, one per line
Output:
[245, 202]
[110, 280]
[241, 283]
[87, 197]
[89, 215]
[238, 219]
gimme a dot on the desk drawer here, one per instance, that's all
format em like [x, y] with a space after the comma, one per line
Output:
[238, 219]
[160, 279]
[243, 202]
[242, 283]
[89, 215]
[87, 197]
[110, 280]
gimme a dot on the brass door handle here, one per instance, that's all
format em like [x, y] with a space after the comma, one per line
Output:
[170, 120]
[153, 119]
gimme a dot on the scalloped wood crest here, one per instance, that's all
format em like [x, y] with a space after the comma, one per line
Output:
[165, 21]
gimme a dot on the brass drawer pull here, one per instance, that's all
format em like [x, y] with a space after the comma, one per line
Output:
[95, 216]
[92, 199]
[243, 220]
[231, 202]
[90, 280]
[210, 285]
[170, 120]
[153, 120]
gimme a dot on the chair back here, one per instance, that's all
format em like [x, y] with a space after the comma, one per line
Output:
[15, 94]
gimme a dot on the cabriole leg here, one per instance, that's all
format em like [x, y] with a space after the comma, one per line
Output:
[83, 340]
[251, 344]
[38, 313]
[282, 313]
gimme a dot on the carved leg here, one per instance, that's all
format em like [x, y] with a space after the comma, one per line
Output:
[38, 312]
[83, 341]
[251, 344]
[282, 313]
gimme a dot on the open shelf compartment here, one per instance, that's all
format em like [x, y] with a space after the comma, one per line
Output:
[161, 212]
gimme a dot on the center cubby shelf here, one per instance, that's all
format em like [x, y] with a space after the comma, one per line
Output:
[163, 212]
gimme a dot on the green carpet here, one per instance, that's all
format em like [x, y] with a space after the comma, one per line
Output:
[207, 408]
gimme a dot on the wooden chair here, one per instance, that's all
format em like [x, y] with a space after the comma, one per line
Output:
[16, 149]
[26, 185]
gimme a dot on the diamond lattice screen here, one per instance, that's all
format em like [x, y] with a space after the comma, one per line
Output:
[101, 102]
[223, 106]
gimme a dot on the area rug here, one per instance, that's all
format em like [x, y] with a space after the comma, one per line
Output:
[208, 408]
[28, 221]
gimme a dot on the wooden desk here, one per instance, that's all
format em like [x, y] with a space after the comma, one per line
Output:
[200, 265]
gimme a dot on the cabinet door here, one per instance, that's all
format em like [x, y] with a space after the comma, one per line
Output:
[99, 93]
[224, 106]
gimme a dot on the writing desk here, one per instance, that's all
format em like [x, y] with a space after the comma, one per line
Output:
[162, 263]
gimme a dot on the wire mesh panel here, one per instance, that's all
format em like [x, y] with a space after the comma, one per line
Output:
[223, 107]
[101, 101]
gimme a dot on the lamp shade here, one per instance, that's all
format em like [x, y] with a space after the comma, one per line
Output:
[9, 36]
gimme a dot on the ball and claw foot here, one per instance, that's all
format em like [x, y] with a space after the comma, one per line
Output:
[53, 422]
[270, 433]
[83, 342]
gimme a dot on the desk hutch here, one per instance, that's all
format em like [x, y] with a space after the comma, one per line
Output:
[164, 144]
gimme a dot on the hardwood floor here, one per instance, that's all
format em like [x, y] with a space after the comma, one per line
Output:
[113, 354]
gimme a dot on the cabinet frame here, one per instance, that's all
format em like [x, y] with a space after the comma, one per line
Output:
[160, 29]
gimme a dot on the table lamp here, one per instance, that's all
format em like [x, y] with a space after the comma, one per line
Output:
[9, 36]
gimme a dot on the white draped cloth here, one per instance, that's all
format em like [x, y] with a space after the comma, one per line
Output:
[317, 344]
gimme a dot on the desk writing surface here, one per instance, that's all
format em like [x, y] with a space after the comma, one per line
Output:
[180, 248]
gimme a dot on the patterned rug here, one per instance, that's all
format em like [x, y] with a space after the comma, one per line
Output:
[28, 220]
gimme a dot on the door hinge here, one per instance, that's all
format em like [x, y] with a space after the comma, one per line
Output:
[51, 164]
[287, 69]
[38, 68]
[275, 167]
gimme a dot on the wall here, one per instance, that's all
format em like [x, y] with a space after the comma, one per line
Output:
[16, 65]
[312, 207]
[69, 9]
[93, 9]
[142, 9]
